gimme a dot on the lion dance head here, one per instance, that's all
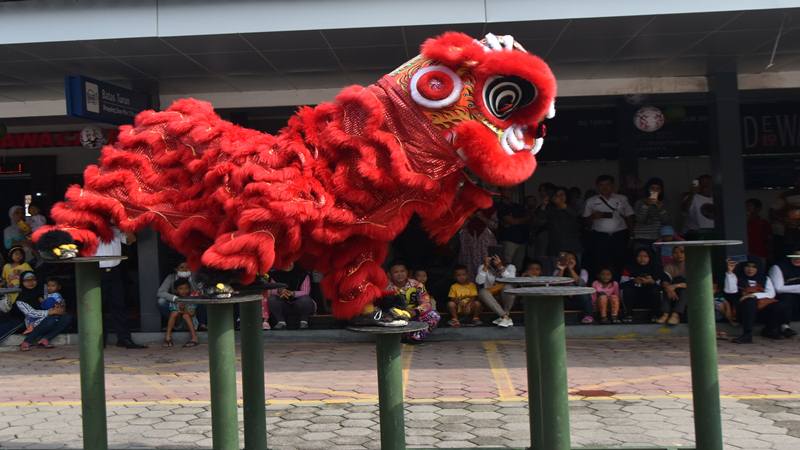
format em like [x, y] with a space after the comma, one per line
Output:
[488, 99]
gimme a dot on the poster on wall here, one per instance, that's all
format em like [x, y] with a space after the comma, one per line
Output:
[669, 131]
[581, 134]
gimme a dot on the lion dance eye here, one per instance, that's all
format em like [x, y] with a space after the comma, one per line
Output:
[435, 87]
[504, 94]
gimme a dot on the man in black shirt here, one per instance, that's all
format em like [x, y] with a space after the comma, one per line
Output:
[512, 232]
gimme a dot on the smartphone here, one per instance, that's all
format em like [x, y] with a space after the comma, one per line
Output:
[562, 259]
[695, 182]
[653, 195]
[495, 250]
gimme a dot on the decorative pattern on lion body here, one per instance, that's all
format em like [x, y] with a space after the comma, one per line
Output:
[330, 190]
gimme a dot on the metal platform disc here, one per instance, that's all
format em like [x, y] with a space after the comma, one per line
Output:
[550, 291]
[220, 301]
[410, 328]
[709, 243]
[85, 259]
[542, 281]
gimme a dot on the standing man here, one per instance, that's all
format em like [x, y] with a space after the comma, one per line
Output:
[785, 277]
[700, 223]
[610, 217]
[113, 287]
[512, 232]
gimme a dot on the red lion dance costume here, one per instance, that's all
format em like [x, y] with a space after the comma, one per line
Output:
[334, 187]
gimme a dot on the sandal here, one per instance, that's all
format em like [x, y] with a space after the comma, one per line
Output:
[454, 323]
[44, 343]
[167, 343]
[190, 344]
[24, 347]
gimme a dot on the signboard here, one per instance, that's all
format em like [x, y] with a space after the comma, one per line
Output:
[48, 139]
[102, 102]
[770, 128]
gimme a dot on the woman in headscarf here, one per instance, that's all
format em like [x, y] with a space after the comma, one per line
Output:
[18, 232]
[43, 325]
[756, 296]
[15, 233]
[673, 301]
[640, 283]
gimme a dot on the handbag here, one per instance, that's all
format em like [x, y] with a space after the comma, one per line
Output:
[5, 304]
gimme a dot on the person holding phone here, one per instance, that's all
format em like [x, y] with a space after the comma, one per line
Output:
[494, 267]
[610, 216]
[651, 214]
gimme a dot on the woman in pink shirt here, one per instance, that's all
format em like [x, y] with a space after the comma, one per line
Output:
[607, 293]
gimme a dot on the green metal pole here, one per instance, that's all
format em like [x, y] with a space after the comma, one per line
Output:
[703, 347]
[90, 332]
[553, 367]
[222, 372]
[390, 392]
[535, 412]
[252, 335]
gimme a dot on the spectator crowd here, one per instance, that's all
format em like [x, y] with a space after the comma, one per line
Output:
[606, 238]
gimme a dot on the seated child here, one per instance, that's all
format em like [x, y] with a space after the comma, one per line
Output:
[421, 275]
[463, 298]
[182, 288]
[607, 292]
[533, 269]
[52, 300]
[53, 297]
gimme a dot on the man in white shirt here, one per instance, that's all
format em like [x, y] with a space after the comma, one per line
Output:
[785, 278]
[700, 220]
[113, 287]
[610, 216]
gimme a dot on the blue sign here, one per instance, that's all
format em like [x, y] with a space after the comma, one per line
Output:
[103, 102]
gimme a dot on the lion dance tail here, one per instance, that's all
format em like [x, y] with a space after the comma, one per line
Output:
[180, 172]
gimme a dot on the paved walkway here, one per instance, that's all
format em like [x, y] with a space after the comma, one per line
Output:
[459, 394]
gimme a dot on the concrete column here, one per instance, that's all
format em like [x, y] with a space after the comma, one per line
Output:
[726, 156]
[147, 242]
[149, 281]
[628, 153]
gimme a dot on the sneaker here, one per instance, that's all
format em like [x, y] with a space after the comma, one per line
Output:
[280, 326]
[674, 319]
[265, 325]
[604, 320]
[587, 320]
[303, 324]
[663, 319]
[788, 332]
[476, 322]
[615, 320]
[497, 321]
[506, 323]
[743, 339]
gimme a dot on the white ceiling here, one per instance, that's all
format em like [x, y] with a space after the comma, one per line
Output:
[639, 46]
